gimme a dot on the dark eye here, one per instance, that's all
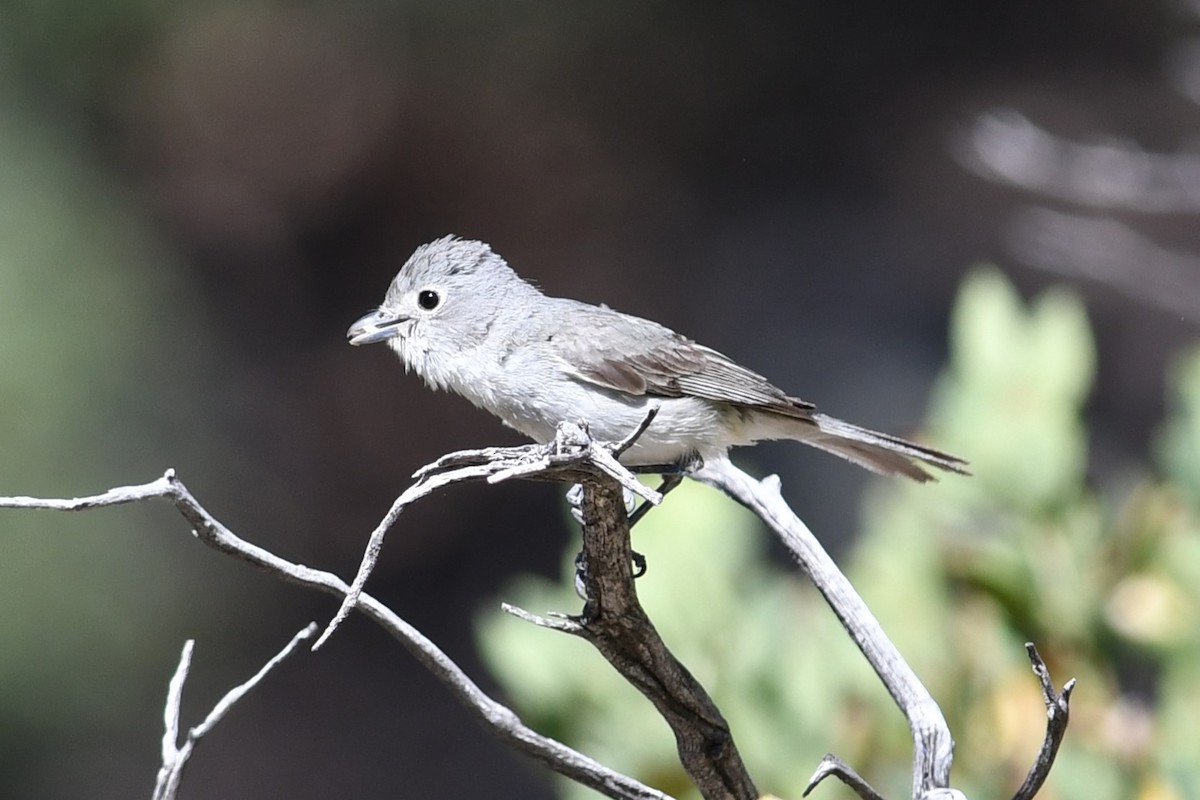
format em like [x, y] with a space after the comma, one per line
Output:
[428, 299]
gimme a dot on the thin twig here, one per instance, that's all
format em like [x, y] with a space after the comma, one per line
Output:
[832, 765]
[554, 622]
[1058, 713]
[424, 486]
[175, 756]
[171, 770]
[236, 693]
[629, 441]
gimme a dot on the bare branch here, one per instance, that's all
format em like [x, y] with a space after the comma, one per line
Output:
[555, 622]
[113, 497]
[620, 447]
[1058, 713]
[238, 692]
[933, 745]
[832, 765]
[175, 756]
[501, 720]
[422, 487]
[571, 455]
[615, 623]
[613, 620]
[171, 771]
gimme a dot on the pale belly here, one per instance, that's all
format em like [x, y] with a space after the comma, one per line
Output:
[683, 428]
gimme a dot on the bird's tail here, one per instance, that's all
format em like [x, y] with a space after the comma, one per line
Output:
[878, 452]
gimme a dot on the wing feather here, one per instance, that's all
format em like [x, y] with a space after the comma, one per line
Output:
[640, 357]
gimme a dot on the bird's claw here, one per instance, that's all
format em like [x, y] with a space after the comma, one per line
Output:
[637, 560]
[575, 501]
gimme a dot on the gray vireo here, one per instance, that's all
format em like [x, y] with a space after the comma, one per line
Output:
[459, 317]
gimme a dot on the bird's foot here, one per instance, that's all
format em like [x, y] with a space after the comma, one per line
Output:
[637, 559]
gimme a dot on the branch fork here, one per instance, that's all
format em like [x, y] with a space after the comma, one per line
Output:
[175, 755]
[572, 457]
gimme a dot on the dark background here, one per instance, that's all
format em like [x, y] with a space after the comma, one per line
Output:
[196, 200]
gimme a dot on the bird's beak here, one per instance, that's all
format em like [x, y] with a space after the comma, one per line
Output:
[375, 327]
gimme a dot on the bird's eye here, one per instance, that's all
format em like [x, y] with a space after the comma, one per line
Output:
[428, 299]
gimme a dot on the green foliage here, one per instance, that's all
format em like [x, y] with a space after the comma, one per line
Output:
[1179, 444]
[960, 574]
[1023, 375]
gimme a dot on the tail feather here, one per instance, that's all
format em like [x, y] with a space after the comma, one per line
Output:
[880, 452]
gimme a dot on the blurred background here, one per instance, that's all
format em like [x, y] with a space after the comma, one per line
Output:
[197, 199]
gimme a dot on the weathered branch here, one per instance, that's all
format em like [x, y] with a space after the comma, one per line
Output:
[933, 746]
[612, 621]
[615, 623]
[1058, 713]
[175, 756]
[832, 765]
[500, 719]
[565, 459]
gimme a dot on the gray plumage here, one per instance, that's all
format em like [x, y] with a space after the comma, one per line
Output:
[459, 317]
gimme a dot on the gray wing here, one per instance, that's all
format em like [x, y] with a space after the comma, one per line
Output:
[639, 357]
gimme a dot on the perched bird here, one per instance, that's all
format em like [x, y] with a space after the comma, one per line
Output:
[459, 317]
